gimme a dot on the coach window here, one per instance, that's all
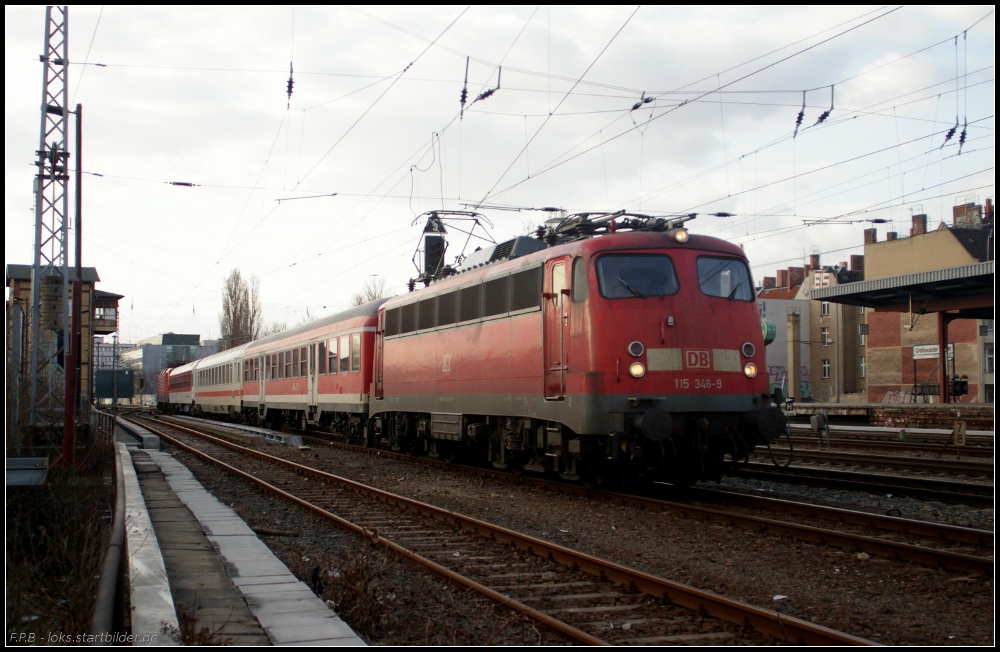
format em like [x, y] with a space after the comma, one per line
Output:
[303, 362]
[332, 356]
[295, 363]
[345, 354]
[580, 287]
[322, 358]
[356, 352]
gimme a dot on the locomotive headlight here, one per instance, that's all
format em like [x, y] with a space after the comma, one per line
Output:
[679, 235]
[750, 370]
[637, 369]
[636, 349]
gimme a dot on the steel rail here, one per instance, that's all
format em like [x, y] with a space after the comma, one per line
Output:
[963, 493]
[970, 450]
[770, 623]
[918, 463]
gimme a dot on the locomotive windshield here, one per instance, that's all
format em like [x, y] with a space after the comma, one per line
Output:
[725, 277]
[622, 276]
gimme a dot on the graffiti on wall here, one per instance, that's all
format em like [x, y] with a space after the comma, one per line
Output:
[779, 377]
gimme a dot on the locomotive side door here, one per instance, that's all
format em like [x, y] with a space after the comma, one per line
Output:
[313, 379]
[379, 391]
[260, 378]
[555, 322]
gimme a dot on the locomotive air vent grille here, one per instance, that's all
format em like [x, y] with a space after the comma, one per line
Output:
[502, 251]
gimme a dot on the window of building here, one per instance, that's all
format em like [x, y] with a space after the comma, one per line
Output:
[826, 367]
[863, 334]
[825, 336]
[824, 308]
[988, 357]
[862, 369]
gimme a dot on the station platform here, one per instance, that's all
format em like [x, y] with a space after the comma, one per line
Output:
[978, 416]
[196, 567]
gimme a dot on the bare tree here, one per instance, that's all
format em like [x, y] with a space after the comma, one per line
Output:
[273, 327]
[376, 287]
[241, 319]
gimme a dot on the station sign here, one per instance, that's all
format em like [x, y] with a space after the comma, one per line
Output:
[931, 351]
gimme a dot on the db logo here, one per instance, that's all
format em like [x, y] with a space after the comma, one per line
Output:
[697, 359]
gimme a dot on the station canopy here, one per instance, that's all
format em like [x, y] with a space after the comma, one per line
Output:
[967, 289]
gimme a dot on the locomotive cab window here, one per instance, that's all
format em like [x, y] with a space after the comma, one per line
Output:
[728, 278]
[627, 276]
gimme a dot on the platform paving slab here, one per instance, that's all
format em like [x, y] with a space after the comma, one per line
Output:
[199, 585]
[286, 608]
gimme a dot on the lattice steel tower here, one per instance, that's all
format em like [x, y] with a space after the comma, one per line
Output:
[50, 336]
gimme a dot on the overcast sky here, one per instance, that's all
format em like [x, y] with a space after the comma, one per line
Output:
[198, 95]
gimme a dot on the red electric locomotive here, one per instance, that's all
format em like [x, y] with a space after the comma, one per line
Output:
[612, 345]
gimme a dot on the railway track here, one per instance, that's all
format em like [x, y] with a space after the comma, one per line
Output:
[573, 593]
[962, 493]
[921, 464]
[935, 544]
[857, 443]
[974, 544]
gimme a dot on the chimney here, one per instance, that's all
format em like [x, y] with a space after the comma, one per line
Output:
[858, 263]
[871, 236]
[919, 225]
[782, 278]
[814, 261]
[967, 216]
[891, 235]
[988, 217]
[795, 276]
[770, 282]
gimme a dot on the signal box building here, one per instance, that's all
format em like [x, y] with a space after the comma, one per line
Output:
[99, 316]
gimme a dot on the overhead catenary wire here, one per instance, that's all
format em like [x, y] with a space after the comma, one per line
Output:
[545, 122]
